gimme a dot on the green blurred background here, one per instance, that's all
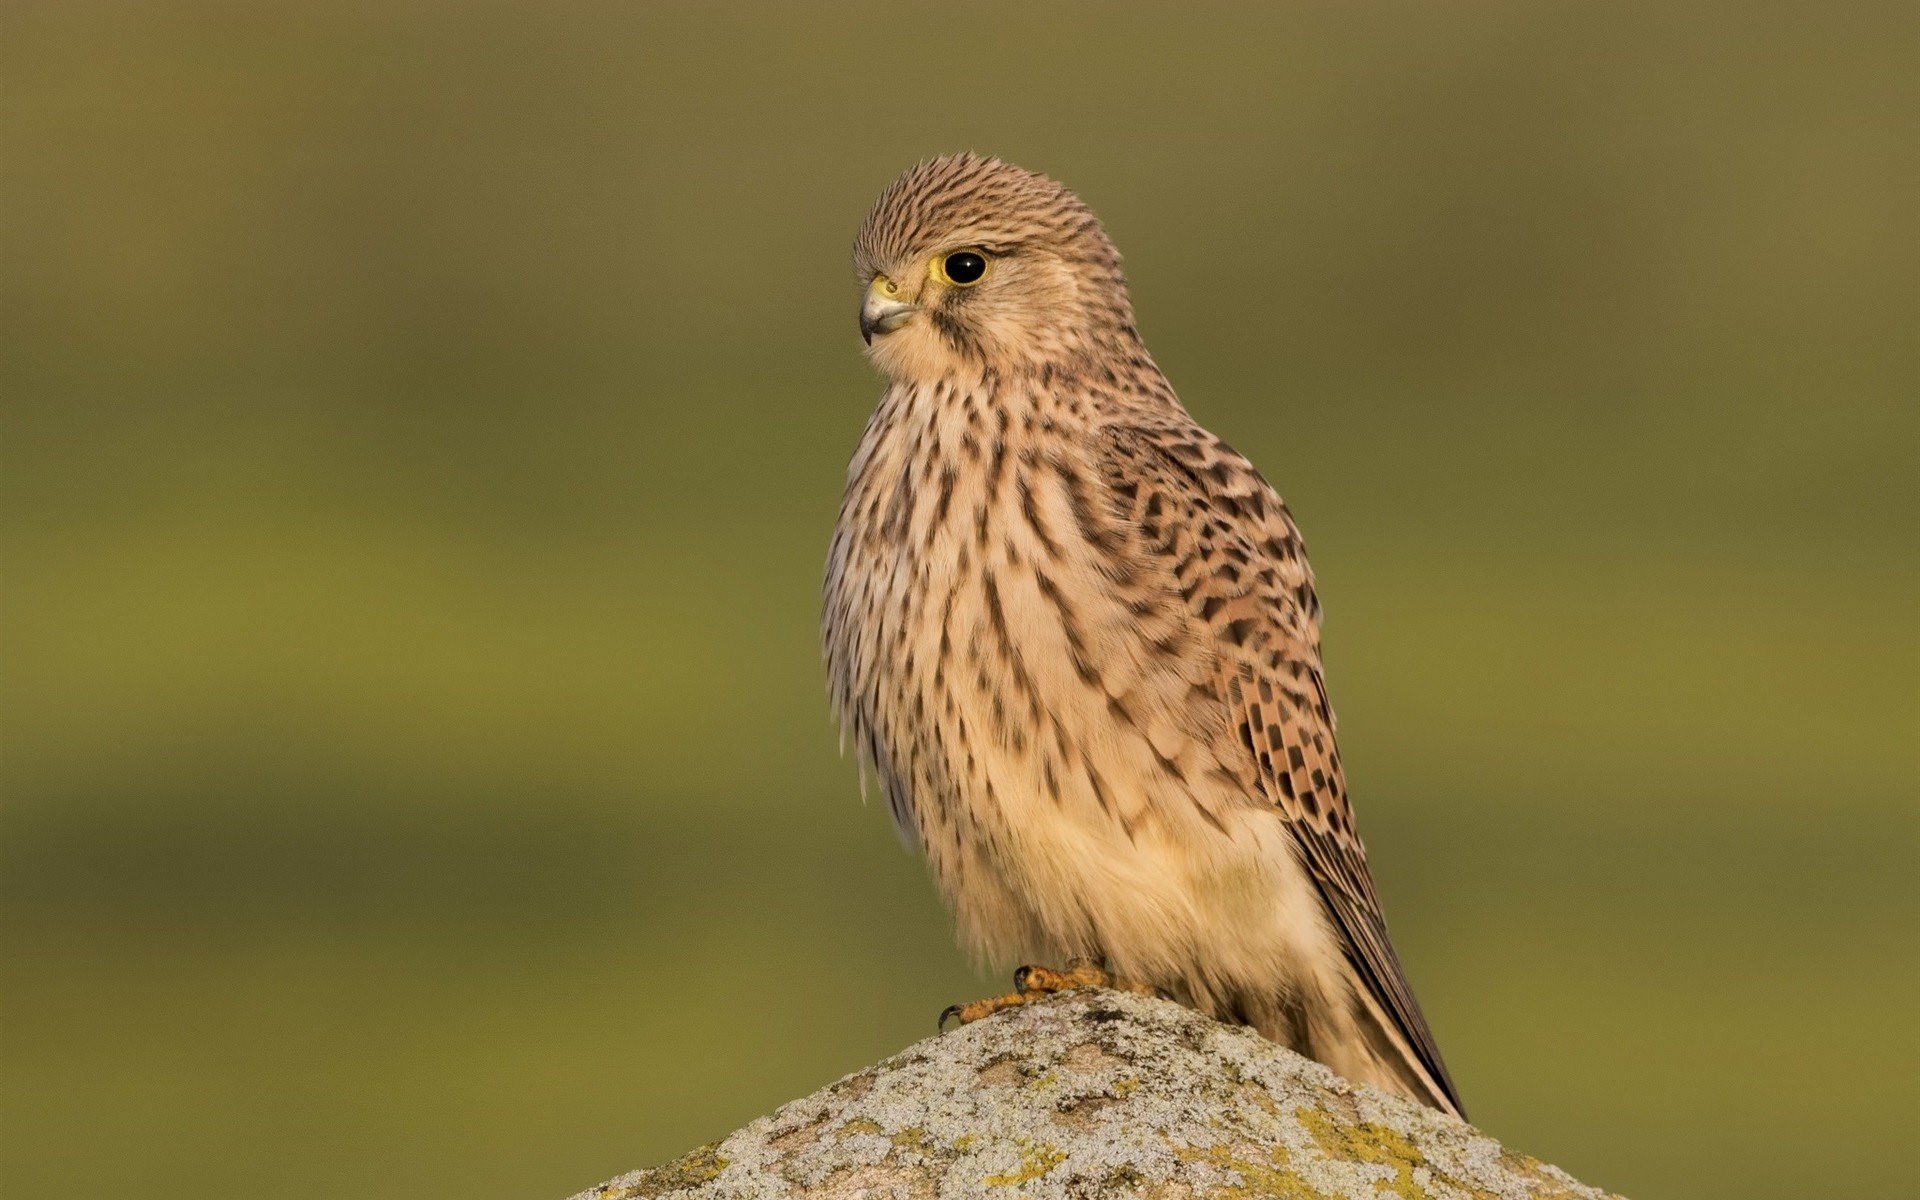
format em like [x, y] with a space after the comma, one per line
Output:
[423, 425]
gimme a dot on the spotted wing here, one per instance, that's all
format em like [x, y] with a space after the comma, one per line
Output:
[1203, 514]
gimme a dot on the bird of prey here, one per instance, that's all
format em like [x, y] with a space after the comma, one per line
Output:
[1075, 637]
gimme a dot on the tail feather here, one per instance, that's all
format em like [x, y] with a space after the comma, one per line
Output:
[1397, 1062]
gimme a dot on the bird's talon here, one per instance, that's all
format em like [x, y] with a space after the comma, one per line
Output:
[1033, 983]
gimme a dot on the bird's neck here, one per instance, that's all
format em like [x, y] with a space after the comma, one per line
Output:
[975, 417]
[1101, 381]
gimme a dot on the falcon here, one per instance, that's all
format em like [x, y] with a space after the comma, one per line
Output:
[1075, 637]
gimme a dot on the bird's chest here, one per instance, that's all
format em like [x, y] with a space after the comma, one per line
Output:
[947, 648]
[1029, 690]
[1007, 689]
[941, 553]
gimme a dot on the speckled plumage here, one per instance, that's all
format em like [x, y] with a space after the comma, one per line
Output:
[1076, 637]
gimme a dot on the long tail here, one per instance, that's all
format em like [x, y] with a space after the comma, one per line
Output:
[1395, 1063]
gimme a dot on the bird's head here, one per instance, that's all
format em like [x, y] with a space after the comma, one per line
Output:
[969, 263]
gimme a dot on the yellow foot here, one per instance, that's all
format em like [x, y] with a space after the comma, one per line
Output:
[1037, 983]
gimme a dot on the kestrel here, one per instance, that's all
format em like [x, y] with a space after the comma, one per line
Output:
[1075, 636]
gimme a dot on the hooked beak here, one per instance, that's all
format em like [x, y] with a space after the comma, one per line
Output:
[883, 311]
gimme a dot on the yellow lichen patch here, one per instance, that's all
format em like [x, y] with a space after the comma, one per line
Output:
[965, 1142]
[857, 1125]
[691, 1170]
[1368, 1142]
[1269, 1179]
[1035, 1160]
[911, 1138]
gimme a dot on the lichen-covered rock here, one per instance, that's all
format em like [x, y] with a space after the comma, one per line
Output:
[1099, 1094]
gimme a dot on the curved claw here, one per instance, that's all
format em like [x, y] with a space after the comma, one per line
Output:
[1032, 983]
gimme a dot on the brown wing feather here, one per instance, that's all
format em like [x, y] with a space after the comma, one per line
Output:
[1236, 555]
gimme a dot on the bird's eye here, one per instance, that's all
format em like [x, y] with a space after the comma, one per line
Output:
[963, 268]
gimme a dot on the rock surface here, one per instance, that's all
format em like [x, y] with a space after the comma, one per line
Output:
[1098, 1094]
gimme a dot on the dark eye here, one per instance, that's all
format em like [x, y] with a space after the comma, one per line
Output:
[963, 267]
